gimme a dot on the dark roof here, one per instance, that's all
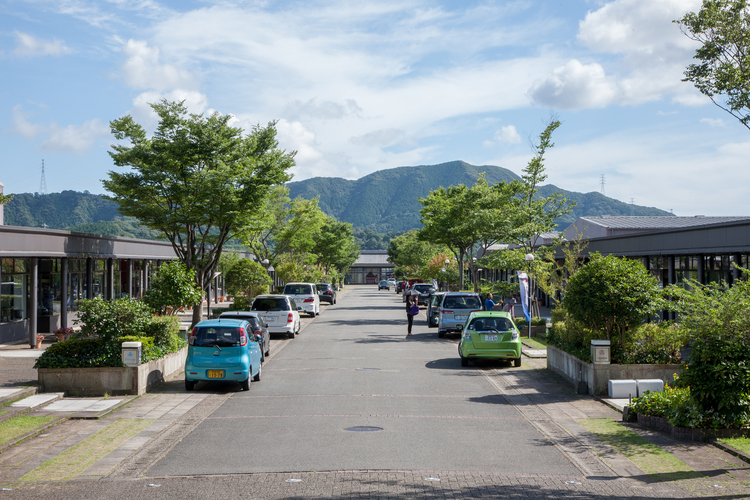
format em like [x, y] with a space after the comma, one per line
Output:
[657, 222]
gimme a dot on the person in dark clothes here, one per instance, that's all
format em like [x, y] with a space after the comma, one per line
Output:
[412, 309]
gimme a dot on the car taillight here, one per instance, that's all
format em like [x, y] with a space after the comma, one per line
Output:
[445, 311]
[310, 299]
[243, 337]
[258, 332]
[290, 318]
[191, 340]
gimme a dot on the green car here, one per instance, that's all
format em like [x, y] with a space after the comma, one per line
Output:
[490, 335]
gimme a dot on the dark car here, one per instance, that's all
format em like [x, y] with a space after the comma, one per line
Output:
[258, 326]
[400, 286]
[326, 292]
[433, 309]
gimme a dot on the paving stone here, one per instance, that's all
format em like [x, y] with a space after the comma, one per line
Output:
[36, 400]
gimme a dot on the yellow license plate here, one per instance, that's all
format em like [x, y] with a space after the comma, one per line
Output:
[215, 373]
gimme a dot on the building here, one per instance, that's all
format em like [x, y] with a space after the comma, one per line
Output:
[45, 272]
[371, 267]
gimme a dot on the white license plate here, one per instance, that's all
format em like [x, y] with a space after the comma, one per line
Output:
[490, 338]
[460, 318]
[270, 318]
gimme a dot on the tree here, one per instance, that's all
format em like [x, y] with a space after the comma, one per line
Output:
[5, 198]
[612, 294]
[197, 180]
[173, 287]
[248, 278]
[335, 247]
[722, 27]
[408, 253]
[283, 226]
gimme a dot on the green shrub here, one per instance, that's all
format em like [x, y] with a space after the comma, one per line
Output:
[162, 329]
[652, 343]
[173, 287]
[662, 404]
[77, 353]
[111, 319]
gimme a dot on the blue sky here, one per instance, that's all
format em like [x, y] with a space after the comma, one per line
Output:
[363, 86]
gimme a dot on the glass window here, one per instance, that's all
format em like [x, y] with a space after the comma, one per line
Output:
[13, 297]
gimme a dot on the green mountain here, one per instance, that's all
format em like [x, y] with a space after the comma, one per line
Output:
[388, 200]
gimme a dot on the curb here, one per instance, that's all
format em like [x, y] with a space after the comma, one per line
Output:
[25, 393]
[732, 451]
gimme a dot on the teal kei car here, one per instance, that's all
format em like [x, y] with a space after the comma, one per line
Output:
[490, 335]
[225, 350]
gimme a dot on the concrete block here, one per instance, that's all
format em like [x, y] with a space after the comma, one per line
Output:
[651, 384]
[622, 389]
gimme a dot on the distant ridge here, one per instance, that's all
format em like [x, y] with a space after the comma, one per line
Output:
[387, 200]
[384, 201]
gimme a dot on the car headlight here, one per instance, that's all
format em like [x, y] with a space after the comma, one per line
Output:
[514, 335]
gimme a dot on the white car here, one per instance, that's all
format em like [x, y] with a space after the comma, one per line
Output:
[279, 312]
[306, 296]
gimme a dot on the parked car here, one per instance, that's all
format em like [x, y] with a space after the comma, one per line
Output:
[384, 285]
[224, 350]
[326, 292]
[421, 290]
[455, 311]
[306, 296]
[279, 312]
[490, 335]
[257, 326]
[392, 281]
[400, 286]
[433, 308]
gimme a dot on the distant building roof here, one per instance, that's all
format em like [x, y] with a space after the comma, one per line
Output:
[656, 222]
[373, 258]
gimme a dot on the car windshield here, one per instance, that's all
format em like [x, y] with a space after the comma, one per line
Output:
[323, 287]
[423, 288]
[221, 336]
[297, 290]
[462, 302]
[270, 304]
[491, 325]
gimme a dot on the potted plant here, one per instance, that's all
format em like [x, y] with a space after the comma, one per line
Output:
[63, 333]
[39, 339]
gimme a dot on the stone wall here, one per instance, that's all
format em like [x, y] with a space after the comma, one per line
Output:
[597, 376]
[111, 380]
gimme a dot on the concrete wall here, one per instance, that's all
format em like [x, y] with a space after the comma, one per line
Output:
[112, 381]
[597, 377]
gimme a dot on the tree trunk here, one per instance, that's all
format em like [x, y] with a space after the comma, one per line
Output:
[197, 314]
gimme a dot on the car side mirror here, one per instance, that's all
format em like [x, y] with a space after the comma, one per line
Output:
[258, 337]
[267, 325]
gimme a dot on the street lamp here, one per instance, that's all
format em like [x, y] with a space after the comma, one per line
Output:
[529, 259]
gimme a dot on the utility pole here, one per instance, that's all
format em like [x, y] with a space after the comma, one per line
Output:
[602, 182]
[43, 182]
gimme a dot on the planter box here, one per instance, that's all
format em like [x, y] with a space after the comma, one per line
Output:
[686, 433]
[115, 381]
[597, 377]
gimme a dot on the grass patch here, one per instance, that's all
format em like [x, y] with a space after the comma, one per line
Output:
[18, 426]
[646, 456]
[74, 461]
[535, 342]
[742, 444]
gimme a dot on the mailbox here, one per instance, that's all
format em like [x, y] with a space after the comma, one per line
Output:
[600, 352]
[131, 353]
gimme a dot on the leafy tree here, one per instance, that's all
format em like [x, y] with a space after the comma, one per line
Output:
[611, 295]
[553, 274]
[173, 287]
[722, 27]
[408, 253]
[292, 268]
[246, 279]
[197, 180]
[5, 198]
[335, 247]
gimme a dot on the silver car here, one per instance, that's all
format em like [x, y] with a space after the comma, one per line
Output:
[279, 312]
[455, 310]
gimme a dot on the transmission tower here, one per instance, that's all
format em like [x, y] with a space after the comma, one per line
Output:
[602, 183]
[632, 207]
[43, 182]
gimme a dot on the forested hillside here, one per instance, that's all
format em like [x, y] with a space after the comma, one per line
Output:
[386, 201]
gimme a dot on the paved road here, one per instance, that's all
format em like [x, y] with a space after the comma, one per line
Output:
[354, 366]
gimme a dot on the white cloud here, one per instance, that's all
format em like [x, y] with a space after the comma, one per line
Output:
[713, 122]
[508, 135]
[30, 46]
[21, 125]
[324, 110]
[380, 138]
[142, 69]
[575, 86]
[74, 138]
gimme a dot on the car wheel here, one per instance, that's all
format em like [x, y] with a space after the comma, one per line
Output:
[441, 334]
[245, 384]
[290, 335]
[464, 362]
[517, 362]
[256, 378]
[189, 385]
[268, 351]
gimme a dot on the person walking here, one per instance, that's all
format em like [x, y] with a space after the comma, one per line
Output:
[412, 309]
[489, 304]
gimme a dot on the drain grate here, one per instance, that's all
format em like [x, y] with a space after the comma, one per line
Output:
[363, 428]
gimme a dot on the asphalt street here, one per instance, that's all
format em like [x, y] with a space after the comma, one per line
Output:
[354, 367]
